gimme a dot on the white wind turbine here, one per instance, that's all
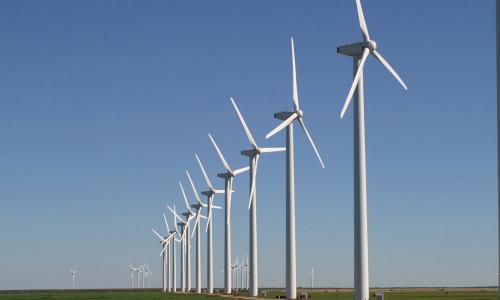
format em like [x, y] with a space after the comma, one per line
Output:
[173, 250]
[311, 274]
[73, 273]
[228, 177]
[143, 271]
[254, 156]
[132, 270]
[183, 225]
[210, 193]
[359, 52]
[136, 270]
[196, 228]
[234, 268]
[148, 274]
[165, 253]
[189, 215]
[289, 117]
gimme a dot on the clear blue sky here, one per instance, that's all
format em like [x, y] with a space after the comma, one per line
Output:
[104, 104]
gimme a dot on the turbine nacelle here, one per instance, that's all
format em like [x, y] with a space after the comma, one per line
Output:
[196, 206]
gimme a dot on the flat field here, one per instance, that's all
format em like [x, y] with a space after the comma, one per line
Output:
[399, 294]
[97, 295]
[403, 294]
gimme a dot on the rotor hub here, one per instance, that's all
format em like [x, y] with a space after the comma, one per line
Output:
[300, 113]
[372, 45]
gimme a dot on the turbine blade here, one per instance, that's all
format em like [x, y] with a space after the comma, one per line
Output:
[175, 214]
[247, 131]
[294, 78]
[216, 207]
[254, 174]
[185, 198]
[301, 121]
[163, 250]
[224, 162]
[204, 173]
[203, 217]
[195, 192]
[282, 125]
[159, 236]
[362, 21]
[355, 81]
[272, 149]
[379, 57]
[194, 227]
[242, 170]
[166, 223]
[209, 212]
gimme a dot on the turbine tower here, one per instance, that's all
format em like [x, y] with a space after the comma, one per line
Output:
[254, 156]
[288, 118]
[73, 273]
[196, 228]
[210, 193]
[359, 52]
[228, 177]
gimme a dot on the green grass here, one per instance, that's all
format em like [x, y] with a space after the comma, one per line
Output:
[98, 295]
[403, 295]
[316, 295]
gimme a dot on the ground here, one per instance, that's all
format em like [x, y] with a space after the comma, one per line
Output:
[390, 294]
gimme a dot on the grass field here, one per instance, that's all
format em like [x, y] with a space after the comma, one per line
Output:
[473, 294]
[404, 295]
[97, 295]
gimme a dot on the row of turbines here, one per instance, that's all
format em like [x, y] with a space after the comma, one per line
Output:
[359, 52]
[141, 272]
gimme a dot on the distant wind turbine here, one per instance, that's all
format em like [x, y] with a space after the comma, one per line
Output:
[73, 273]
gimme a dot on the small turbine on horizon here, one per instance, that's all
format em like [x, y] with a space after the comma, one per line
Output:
[73, 273]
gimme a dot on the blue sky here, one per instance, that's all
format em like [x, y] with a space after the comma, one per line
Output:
[104, 104]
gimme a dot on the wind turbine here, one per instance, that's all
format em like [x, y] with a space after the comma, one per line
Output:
[165, 253]
[136, 270]
[196, 228]
[210, 193]
[132, 270]
[173, 250]
[312, 278]
[148, 274]
[288, 118]
[73, 273]
[235, 271]
[142, 272]
[359, 52]
[189, 215]
[182, 224]
[254, 156]
[245, 273]
[228, 177]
